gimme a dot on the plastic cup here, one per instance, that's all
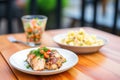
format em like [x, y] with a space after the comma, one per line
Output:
[34, 26]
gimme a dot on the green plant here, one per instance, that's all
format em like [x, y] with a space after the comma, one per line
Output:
[46, 6]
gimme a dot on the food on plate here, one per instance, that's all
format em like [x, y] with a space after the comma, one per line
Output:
[81, 38]
[45, 58]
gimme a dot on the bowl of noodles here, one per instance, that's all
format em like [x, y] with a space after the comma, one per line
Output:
[80, 41]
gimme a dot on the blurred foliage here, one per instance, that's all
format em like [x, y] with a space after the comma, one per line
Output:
[45, 6]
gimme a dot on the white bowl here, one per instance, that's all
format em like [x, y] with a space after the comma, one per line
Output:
[79, 49]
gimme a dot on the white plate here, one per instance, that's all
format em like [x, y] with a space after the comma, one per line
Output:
[17, 60]
[79, 49]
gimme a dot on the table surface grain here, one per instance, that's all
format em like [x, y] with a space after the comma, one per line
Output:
[102, 65]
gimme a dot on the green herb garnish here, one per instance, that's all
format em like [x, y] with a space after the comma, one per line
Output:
[37, 53]
[28, 66]
[41, 55]
[45, 49]
[65, 61]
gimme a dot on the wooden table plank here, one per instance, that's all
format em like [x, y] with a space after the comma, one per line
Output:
[9, 49]
[5, 72]
[102, 65]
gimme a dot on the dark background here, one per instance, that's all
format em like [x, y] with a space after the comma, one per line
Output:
[100, 14]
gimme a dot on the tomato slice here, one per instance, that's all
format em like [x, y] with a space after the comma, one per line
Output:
[46, 55]
[48, 52]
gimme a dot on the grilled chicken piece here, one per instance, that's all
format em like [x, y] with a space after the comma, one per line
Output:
[36, 62]
[55, 61]
[51, 64]
[61, 59]
[30, 57]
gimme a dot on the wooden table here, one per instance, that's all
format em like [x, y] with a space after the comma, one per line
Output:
[103, 65]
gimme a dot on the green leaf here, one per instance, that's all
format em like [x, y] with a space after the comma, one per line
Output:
[45, 49]
[28, 66]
